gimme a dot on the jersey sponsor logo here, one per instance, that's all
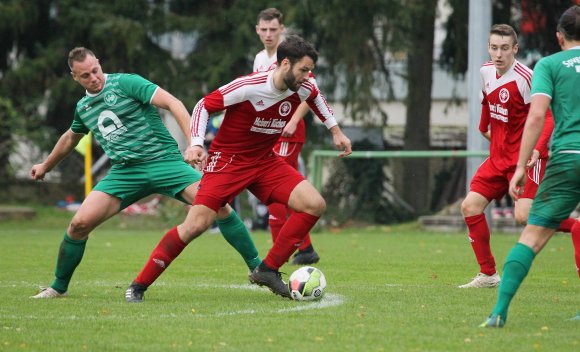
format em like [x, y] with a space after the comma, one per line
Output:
[285, 108]
[110, 125]
[498, 112]
[504, 95]
[268, 126]
[110, 98]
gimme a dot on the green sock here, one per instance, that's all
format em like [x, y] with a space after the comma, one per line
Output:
[517, 265]
[70, 255]
[237, 235]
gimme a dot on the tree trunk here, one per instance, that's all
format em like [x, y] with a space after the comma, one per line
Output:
[416, 176]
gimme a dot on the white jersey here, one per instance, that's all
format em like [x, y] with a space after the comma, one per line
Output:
[263, 62]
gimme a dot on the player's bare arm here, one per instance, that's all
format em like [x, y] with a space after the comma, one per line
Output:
[341, 141]
[165, 100]
[532, 131]
[486, 135]
[62, 148]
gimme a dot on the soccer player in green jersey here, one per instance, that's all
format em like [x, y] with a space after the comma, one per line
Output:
[121, 112]
[555, 82]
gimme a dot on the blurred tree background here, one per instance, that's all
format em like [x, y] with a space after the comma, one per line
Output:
[357, 42]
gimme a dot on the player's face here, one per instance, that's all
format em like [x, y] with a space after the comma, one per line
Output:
[89, 74]
[298, 73]
[502, 52]
[270, 32]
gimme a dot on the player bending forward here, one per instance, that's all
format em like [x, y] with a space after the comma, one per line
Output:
[257, 108]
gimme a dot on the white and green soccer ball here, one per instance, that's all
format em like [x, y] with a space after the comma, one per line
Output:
[307, 284]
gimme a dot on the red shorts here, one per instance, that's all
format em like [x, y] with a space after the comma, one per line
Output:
[494, 184]
[289, 151]
[270, 179]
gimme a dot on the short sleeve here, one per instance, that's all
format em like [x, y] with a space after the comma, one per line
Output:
[542, 82]
[138, 87]
[78, 126]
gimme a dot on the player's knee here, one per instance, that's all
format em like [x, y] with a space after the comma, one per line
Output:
[79, 228]
[521, 217]
[316, 206]
[469, 209]
[189, 230]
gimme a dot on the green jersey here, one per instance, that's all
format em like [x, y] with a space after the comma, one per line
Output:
[123, 121]
[558, 77]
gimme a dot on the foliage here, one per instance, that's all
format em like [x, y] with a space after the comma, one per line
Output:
[357, 40]
[534, 20]
[389, 289]
[352, 197]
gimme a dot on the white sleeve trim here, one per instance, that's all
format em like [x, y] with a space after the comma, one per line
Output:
[547, 95]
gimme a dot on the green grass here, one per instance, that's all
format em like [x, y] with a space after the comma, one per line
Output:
[389, 289]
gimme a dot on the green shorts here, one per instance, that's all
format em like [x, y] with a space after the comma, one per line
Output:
[559, 192]
[132, 182]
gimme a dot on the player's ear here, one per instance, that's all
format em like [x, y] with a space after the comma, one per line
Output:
[516, 48]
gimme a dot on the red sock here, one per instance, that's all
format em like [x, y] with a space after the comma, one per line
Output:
[307, 242]
[166, 250]
[479, 238]
[289, 238]
[276, 219]
[576, 241]
[566, 225]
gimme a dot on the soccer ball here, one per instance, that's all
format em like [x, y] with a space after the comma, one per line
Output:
[307, 284]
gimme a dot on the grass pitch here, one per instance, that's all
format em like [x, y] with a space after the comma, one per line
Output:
[389, 289]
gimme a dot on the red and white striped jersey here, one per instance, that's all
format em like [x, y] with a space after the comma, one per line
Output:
[256, 113]
[505, 106]
[264, 63]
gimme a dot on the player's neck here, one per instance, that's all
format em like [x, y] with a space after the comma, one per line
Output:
[571, 44]
[278, 80]
[271, 51]
[501, 72]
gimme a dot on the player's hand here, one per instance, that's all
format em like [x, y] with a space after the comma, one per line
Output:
[342, 142]
[38, 171]
[517, 183]
[195, 156]
[289, 129]
[533, 159]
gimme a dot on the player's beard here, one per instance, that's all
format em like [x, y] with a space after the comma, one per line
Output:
[290, 81]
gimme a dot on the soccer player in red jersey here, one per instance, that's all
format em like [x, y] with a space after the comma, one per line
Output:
[505, 84]
[258, 107]
[270, 28]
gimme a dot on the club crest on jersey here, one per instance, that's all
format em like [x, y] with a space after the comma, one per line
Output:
[504, 95]
[110, 98]
[285, 108]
